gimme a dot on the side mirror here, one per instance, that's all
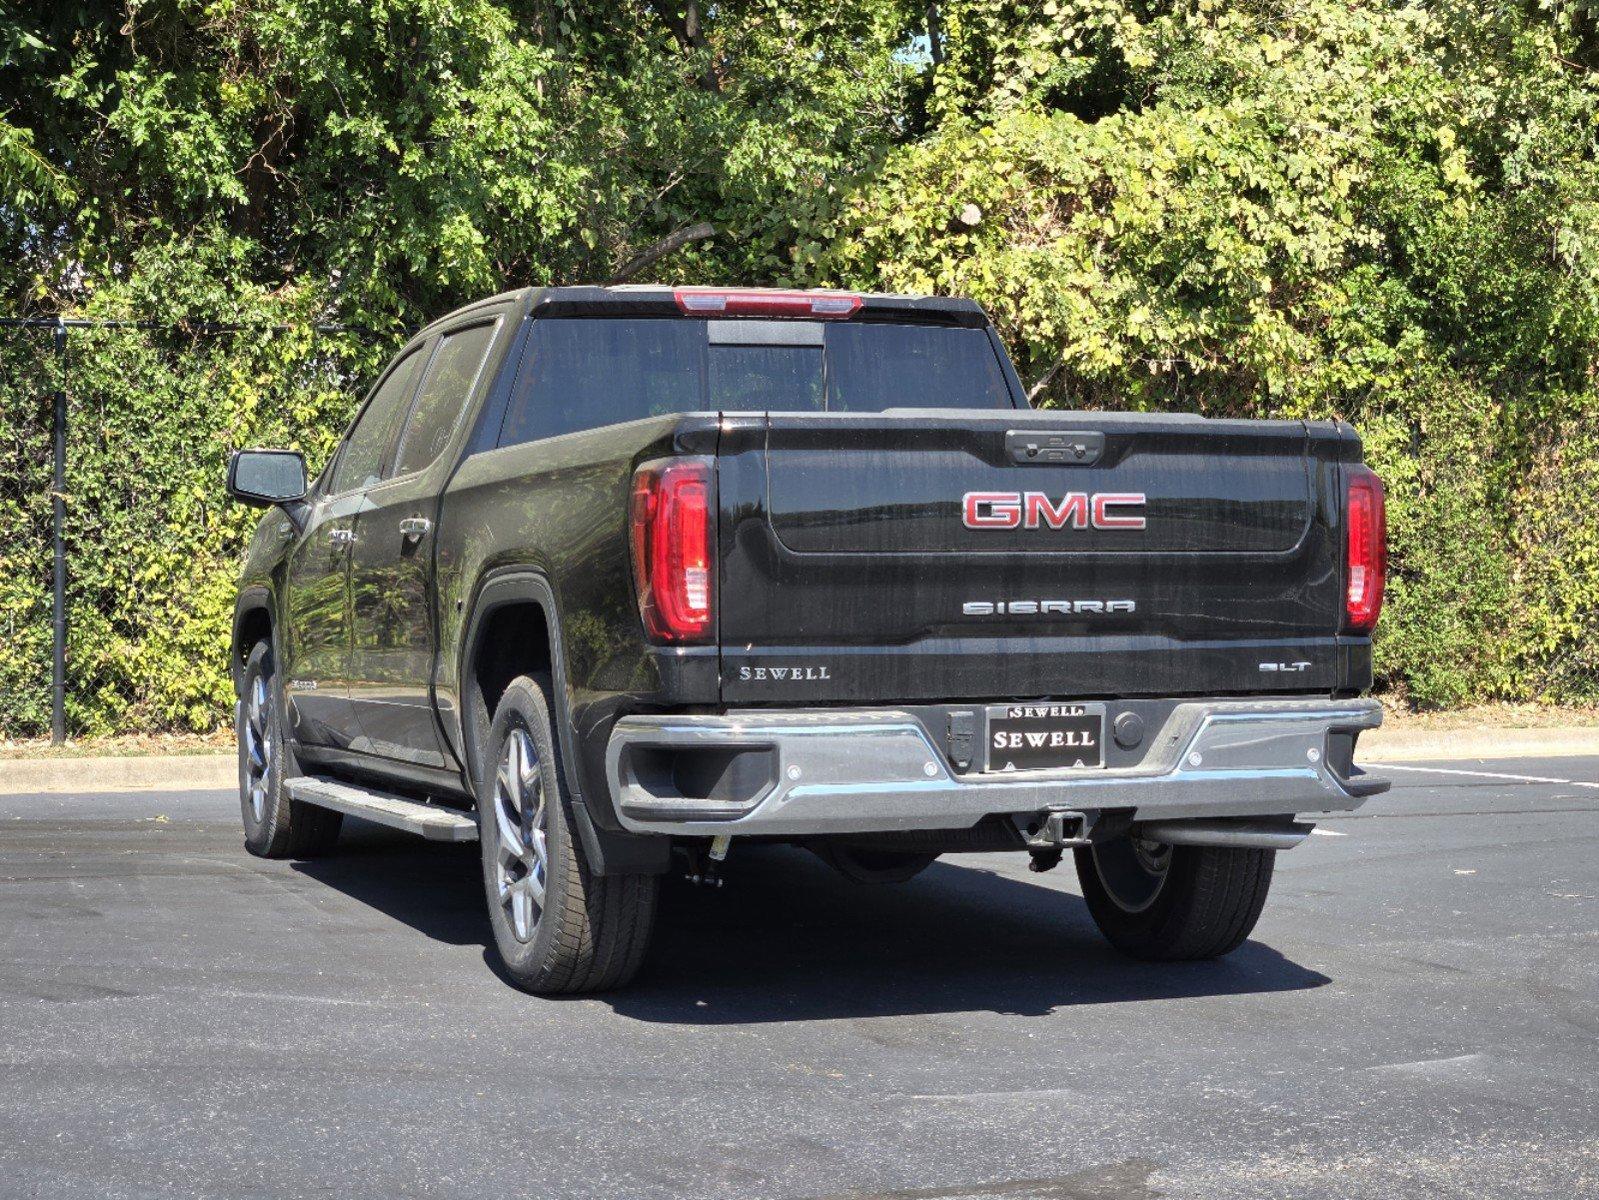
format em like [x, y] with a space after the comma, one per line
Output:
[267, 477]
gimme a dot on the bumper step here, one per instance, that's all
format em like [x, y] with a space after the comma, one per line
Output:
[429, 820]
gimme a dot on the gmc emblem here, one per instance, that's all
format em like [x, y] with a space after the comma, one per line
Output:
[1034, 510]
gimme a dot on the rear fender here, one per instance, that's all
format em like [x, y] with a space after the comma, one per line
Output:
[609, 852]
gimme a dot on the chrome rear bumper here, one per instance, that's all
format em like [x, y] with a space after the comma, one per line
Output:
[802, 772]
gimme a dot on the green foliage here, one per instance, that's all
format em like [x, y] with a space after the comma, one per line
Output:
[1375, 213]
[25, 597]
[152, 544]
[1385, 213]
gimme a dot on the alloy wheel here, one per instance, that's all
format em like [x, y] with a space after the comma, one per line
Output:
[522, 851]
[258, 747]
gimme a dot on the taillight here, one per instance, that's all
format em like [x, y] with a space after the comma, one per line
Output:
[720, 303]
[1366, 557]
[674, 557]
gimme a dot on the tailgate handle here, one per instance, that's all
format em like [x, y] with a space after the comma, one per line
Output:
[1055, 447]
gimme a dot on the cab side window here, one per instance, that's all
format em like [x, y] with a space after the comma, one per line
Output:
[361, 463]
[451, 375]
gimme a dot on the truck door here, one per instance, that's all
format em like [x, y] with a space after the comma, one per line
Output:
[393, 623]
[317, 636]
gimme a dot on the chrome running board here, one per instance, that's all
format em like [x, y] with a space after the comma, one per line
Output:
[429, 820]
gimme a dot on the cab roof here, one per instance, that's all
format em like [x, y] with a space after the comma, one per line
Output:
[661, 300]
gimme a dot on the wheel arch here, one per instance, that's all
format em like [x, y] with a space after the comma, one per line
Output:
[487, 666]
[484, 666]
[254, 618]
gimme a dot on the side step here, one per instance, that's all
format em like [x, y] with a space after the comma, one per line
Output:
[431, 821]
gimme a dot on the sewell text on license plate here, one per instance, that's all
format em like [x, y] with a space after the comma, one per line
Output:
[1039, 737]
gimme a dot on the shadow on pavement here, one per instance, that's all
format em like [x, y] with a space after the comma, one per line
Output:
[434, 888]
[787, 939]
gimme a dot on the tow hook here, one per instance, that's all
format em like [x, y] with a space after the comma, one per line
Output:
[702, 867]
[1055, 831]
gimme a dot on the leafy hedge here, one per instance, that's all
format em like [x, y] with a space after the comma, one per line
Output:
[1388, 213]
[152, 543]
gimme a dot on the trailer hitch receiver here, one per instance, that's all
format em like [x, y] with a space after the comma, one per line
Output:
[1056, 829]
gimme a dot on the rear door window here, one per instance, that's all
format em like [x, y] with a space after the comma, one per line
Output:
[451, 375]
[584, 372]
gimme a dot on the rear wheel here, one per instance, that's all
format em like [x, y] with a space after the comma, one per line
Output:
[557, 926]
[274, 825]
[1167, 903]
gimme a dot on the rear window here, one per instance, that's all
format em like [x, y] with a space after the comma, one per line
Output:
[583, 372]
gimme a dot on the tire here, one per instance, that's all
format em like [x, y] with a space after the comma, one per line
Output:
[866, 864]
[274, 825]
[1173, 903]
[558, 927]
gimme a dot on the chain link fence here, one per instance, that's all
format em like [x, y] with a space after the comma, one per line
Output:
[136, 532]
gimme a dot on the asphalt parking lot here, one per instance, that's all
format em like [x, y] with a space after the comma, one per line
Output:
[1417, 1015]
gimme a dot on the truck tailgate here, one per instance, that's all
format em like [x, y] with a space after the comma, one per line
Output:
[953, 555]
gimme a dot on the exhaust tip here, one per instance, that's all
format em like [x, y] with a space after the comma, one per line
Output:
[1242, 835]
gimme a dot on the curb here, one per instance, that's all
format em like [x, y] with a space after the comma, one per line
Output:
[169, 773]
[219, 772]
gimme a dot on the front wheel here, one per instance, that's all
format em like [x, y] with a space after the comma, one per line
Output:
[1170, 903]
[558, 927]
[274, 825]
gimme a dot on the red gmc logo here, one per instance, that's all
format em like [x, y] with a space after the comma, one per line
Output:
[1035, 510]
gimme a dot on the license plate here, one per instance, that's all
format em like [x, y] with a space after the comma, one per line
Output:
[1039, 737]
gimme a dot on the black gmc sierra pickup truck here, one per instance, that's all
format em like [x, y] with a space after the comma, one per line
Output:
[600, 576]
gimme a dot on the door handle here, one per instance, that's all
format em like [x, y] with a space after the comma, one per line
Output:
[415, 527]
[341, 537]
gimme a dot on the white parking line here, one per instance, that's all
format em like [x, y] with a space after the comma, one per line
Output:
[1434, 1066]
[1491, 775]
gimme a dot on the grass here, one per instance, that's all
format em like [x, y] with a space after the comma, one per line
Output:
[122, 746]
[1486, 716]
